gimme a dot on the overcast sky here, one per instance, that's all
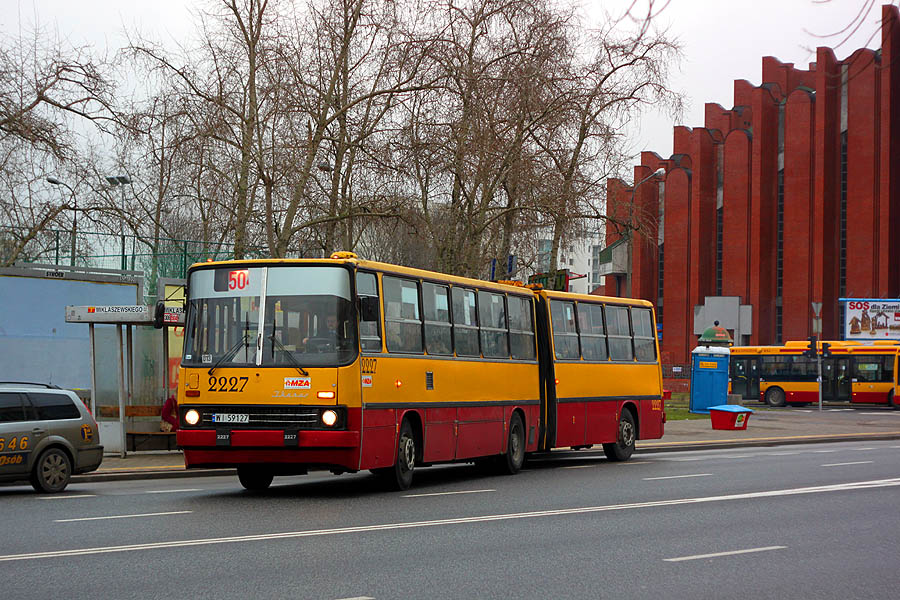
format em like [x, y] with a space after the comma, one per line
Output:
[723, 40]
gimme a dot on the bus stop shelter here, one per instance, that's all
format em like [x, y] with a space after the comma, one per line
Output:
[126, 317]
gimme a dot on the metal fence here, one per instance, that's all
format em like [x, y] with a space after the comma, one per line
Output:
[116, 251]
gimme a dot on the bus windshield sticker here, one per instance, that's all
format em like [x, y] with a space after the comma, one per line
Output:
[297, 383]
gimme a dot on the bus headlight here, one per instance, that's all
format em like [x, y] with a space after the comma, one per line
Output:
[192, 417]
[329, 418]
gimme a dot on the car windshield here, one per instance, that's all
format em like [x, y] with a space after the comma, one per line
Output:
[308, 317]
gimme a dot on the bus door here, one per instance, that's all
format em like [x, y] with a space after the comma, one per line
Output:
[843, 384]
[745, 377]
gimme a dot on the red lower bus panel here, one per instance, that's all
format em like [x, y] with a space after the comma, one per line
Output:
[601, 422]
[570, 424]
[869, 397]
[203, 457]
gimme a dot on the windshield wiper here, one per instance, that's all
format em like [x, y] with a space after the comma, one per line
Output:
[241, 343]
[289, 354]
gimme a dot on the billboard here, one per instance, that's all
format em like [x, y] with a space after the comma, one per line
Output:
[870, 320]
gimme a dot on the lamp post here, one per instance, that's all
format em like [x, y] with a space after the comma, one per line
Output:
[122, 180]
[55, 181]
[657, 173]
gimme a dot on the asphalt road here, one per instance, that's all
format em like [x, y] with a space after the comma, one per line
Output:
[803, 521]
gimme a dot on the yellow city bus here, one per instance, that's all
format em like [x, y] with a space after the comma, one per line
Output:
[348, 364]
[782, 375]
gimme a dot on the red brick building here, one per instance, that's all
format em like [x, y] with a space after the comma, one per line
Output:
[791, 197]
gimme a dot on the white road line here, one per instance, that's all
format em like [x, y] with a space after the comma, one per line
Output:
[824, 451]
[781, 453]
[447, 493]
[686, 459]
[840, 487]
[677, 476]
[359, 598]
[844, 464]
[718, 554]
[739, 456]
[176, 512]
[635, 462]
[861, 449]
[173, 491]
[581, 467]
[67, 497]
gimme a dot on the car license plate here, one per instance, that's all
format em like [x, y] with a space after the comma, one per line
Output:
[230, 418]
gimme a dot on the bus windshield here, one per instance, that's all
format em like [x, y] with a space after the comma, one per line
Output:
[306, 313]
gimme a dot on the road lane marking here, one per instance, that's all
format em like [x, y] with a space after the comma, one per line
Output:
[635, 462]
[359, 598]
[677, 476]
[581, 467]
[158, 514]
[844, 464]
[840, 487]
[447, 493]
[718, 554]
[824, 451]
[739, 456]
[861, 449]
[67, 497]
[173, 491]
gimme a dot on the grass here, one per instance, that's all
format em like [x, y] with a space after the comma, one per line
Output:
[677, 408]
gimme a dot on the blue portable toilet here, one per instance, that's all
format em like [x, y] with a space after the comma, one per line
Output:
[709, 378]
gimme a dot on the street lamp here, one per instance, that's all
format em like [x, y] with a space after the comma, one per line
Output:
[657, 173]
[122, 180]
[55, 181]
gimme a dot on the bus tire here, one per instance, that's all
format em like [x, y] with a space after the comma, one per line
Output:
[51, 472]
[623, 447]
[511, 462]
[254, 477]
[406, 458]
[775, 397]
[892, 402]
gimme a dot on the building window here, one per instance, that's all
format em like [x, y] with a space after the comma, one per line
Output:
[843, 259]
[718, 252]
[659, 287]
[779, 256]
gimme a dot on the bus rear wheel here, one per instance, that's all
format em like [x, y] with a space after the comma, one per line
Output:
[254, 477]
[892, 401]
[623, 448]
[775, 396]
[511, 462]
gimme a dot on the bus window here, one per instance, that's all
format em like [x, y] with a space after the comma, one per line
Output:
[492, 319]
[868, 368]
[619, 333]
[521, 328]
[402, 323]
[593, 333]
[565, 336]
[369, 333]
[436, 299]
[644, 342]
[465, 323]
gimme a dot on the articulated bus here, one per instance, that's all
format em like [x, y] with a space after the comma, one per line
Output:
[779, 375]
[346, 364]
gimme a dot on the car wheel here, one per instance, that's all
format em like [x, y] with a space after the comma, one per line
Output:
[775, 396]
[254, 477]
[52, 471]
[623, 448]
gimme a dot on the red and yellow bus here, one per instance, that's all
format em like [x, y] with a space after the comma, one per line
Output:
[347, 364]
[779, 375]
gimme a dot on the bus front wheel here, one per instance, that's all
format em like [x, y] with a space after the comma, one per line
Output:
[406, 458]
[623, 448]
[775, 396]
[254, 478]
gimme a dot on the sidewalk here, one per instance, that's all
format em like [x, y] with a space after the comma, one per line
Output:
[765, 428]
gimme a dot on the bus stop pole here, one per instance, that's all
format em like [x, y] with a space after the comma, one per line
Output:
[93, 359]
[121, 378]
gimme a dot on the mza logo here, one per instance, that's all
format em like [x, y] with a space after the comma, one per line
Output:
[297, 383]
[367, 380]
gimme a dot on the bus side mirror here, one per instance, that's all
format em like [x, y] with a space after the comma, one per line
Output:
[368, 308]
[159, 315]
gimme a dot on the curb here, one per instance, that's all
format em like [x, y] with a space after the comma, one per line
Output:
[687, 446]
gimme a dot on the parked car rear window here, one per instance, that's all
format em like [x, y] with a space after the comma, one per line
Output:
[11, 407]
[53, 406]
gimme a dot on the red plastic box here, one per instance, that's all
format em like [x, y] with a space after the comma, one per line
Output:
[729, 416]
